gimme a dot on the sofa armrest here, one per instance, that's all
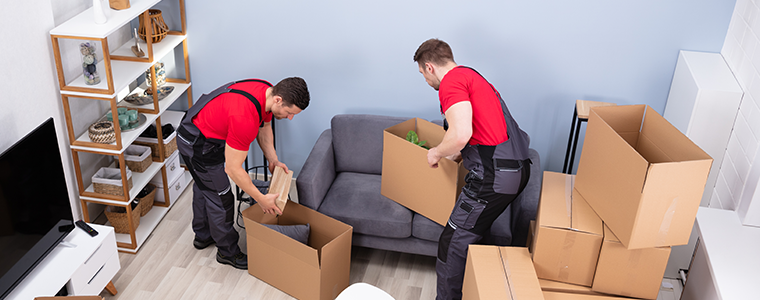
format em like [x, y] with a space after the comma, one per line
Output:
[318, 172]
[524, 208]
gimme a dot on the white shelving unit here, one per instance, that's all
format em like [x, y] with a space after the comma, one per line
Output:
[119, 70]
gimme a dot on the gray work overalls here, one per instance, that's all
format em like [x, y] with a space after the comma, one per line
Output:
[213, 200]
[497, 175]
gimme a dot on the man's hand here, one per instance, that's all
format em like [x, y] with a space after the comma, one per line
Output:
[433, 158]
[277, 163]
[268, 204]
[456, 157]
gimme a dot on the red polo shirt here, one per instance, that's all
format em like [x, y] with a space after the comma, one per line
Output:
[232, 117]
[464, 84]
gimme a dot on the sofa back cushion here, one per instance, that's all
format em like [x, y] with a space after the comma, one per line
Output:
[358, 142]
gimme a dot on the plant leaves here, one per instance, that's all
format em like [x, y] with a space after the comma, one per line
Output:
[412, 137]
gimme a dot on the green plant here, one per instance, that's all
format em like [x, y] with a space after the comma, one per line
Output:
[413, 138]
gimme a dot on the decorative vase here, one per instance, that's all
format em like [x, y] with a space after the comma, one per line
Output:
[89, 62]
[157, 25]
[160, 75]
[119, 4]
[98, 14]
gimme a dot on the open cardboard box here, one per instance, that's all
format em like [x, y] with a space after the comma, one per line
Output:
[568, 233]
[641, 175]
[407, 178]
[494, 272]
[633, 273]
[319, 270]
[561, 287]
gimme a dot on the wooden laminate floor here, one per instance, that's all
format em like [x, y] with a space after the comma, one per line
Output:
[169, 267]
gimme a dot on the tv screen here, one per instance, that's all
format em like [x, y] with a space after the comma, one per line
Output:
[35, 211]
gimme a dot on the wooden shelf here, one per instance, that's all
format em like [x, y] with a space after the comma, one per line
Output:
[139, 181]
[126, 138]
[163, 105]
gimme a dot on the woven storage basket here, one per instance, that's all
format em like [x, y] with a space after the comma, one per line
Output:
[138, 158]
[146, 203]
[118, 217]
[102, 132]
[170, 144]
[157, 25]
[108, 181]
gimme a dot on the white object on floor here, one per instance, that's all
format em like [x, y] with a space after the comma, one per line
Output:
[363, 291]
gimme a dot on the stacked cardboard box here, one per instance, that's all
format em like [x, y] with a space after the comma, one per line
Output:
[644, 179]
[494, 272]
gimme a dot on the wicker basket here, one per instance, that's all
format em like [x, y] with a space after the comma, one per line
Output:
[146, 203]
[102, 132]
[108, 181]
[157, 25]
[138, 158]
[170, 144]
[117, 216]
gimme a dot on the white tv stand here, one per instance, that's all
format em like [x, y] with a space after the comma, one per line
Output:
[83, 263]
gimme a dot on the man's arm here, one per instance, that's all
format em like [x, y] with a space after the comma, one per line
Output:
[265, 138]
[459, 117]
[234, 168]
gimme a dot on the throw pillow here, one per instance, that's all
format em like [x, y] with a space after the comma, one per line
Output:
[297, 232]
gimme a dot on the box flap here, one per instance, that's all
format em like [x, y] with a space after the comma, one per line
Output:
[556, 286]
[569, 296]
[401, 129]
[254, 216]
[335, 260]
[494, 272]
[609, 236]
[660, 141]
[624, 120]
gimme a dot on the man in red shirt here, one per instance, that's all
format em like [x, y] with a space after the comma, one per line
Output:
[481, 131]
[214, 137]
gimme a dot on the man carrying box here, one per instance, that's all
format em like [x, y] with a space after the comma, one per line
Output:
[493, 147]
[214, 135]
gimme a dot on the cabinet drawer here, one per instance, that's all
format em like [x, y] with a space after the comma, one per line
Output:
[95, 283]
[175, 189]
[173, 168]
[94, 264]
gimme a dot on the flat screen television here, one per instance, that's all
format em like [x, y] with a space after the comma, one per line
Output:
[35, 211]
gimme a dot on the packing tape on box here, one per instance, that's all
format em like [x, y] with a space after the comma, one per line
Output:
[569, 181]
[667, 219]
[507, 273]
[566, 257]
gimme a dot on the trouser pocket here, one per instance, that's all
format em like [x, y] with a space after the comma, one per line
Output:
[507, 175]
[466, 212]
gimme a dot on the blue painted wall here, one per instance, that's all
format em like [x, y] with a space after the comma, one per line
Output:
[356, 56]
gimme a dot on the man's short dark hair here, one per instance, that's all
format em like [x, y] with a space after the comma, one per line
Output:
[293, 91]
[434, 51]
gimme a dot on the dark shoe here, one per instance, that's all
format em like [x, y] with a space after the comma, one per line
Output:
[200, 244]
[239, 261]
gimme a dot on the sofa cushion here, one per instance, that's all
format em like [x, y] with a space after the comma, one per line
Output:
[424, 228]
[358, 142]
[355, 199]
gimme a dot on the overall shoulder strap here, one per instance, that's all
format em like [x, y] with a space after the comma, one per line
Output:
[255, 102]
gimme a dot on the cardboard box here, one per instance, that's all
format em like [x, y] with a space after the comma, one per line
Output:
[494, 272]
[632, 273]
[641, 175]
[568, 233]
[407, 178]
[572, 296]
[531, 234]
[319, 270]
[561, 287]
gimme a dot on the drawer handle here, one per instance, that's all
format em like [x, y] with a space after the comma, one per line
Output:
[177, 187]
[172, 168]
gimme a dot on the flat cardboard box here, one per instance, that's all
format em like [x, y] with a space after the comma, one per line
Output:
[407, 178]
[568, 233]
[561, 287]
[319, 270]
[641, 175]
[632, 273]
[572, 296]
[494, 272]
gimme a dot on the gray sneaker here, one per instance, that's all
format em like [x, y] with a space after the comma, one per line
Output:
[239, 261]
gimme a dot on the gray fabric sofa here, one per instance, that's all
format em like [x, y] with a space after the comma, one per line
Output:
[341, 179]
